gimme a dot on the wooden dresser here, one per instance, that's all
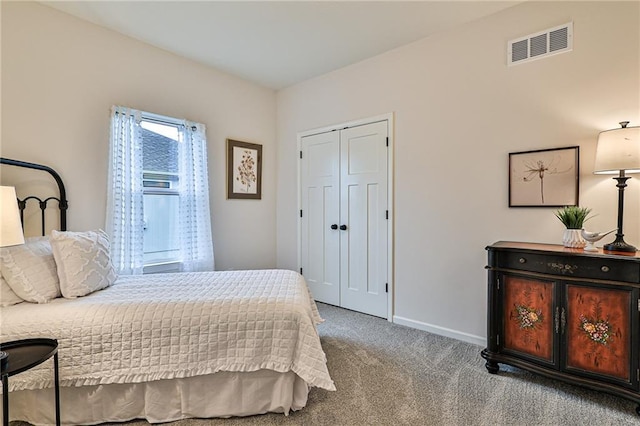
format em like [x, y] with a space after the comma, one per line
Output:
[567, 314]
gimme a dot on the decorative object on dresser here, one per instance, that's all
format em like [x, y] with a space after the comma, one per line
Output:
[593, 237]
[618, 152]
[573, 218]
[565, 314]
[544, 178]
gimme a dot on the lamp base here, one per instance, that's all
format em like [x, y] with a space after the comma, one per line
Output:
[619, 245]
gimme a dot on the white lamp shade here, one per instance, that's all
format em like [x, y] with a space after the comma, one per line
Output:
[10, 225]
[618, 149]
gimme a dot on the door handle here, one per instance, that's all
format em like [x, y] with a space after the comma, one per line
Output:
[334, 226]
[343, 227]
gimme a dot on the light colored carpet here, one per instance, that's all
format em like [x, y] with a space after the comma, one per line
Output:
[387, 374]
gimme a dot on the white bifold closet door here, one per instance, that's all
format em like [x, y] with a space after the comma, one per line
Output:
[343, 177]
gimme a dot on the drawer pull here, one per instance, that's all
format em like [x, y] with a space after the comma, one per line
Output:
[522, 260]
[605, 268]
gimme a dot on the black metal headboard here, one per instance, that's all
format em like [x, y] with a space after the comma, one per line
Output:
[62, 199]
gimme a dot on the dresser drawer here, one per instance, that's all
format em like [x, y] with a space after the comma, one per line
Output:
[603, 268]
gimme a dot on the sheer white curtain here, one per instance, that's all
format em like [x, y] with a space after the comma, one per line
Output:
[196, 247]
[125, 194]
[125, 213]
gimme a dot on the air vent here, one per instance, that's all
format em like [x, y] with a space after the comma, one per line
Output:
[540, 45]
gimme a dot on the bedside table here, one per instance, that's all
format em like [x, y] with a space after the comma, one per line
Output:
[23, 355]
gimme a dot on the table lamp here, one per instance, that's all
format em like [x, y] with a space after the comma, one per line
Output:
[618, 152]
[10, 230]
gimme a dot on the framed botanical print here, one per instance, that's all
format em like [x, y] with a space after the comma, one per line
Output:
[244, 170]
[544, 178]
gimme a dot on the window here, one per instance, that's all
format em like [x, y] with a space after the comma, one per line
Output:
[161, 187]
[158, 204]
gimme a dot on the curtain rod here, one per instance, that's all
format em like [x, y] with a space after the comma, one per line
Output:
[162, 119]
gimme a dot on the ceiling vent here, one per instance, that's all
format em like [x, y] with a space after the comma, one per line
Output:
[540, 45]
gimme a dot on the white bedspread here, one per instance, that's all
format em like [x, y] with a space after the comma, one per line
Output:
[166, 326]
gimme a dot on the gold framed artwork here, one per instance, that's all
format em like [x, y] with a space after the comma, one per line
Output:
[244, 170]
[544, 178]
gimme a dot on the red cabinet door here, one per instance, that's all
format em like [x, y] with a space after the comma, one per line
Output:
[528, 314]
[598, 331]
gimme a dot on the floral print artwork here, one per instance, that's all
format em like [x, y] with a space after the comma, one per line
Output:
[527, 317]
[597, 330]
[246, 171]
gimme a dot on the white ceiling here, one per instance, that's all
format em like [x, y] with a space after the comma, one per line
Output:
[277, 44]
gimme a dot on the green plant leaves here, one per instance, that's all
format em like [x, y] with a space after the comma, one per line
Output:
[573, 217]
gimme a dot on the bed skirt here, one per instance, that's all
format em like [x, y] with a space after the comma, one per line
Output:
[223, 394]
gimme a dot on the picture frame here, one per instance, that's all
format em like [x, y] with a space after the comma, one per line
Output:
[244, 170]
[544, 177]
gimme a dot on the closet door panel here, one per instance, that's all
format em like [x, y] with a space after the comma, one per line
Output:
[320, 244]
[363, 205]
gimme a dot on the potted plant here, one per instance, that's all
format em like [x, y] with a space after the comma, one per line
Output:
[573, 218]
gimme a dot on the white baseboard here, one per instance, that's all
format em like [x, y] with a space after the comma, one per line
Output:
[441, 331]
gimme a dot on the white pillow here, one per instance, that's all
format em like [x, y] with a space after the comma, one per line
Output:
[30, 270]
[7, 296]
[83, 261]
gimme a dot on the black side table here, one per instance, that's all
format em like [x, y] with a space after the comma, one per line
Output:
[21, 356]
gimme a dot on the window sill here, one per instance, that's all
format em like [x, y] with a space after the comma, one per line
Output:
[155, 268]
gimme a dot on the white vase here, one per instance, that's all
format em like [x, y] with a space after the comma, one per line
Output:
[573, 238]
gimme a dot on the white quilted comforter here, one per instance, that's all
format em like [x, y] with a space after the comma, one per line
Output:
[166, 326]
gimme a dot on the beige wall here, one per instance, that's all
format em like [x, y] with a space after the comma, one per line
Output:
[60, 76]
[459, 110]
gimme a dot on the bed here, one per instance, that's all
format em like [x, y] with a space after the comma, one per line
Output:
[164, 347]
